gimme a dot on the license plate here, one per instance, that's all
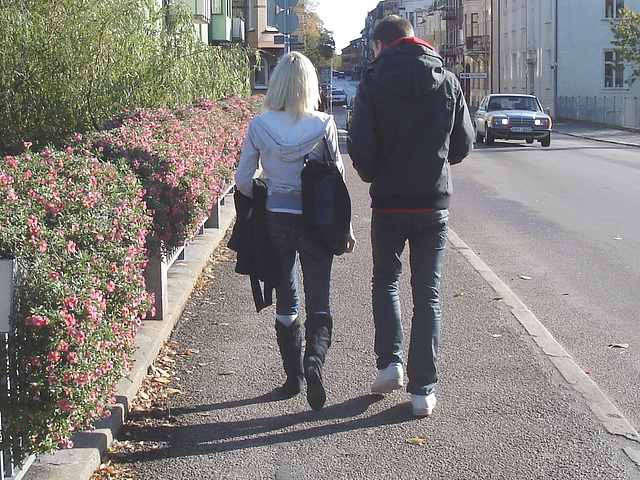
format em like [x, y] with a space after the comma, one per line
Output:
[521, 129]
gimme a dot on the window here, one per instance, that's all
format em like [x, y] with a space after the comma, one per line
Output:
[250, 15]
[261, 77]
[271, 13]
[474, 26]
[612, 8]
[613, 70]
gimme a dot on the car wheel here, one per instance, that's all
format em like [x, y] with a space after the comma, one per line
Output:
[529, 140]
[488, 138]
[546, 141]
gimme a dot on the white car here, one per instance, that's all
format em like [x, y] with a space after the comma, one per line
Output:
[511, 116]
[338, 96]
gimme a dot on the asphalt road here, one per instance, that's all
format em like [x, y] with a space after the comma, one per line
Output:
[565, 217]
[505, 410]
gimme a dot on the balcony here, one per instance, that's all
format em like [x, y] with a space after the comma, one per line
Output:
[238, 30]
[201, 10]
[448, 50]
[478, 44]
[449, 13]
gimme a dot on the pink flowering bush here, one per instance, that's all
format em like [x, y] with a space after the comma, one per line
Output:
[77, 228]
[184, 157]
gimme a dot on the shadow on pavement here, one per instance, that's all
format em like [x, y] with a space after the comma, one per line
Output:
[170, 441]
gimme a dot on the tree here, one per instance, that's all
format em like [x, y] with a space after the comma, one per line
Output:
[626, 33]
[319, 44]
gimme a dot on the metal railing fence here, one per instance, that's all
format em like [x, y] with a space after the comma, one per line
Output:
[613, 110]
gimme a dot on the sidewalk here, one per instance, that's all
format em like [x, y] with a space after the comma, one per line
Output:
[597, 132]
[511, 403]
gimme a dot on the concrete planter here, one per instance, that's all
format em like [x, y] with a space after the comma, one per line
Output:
[7, 272]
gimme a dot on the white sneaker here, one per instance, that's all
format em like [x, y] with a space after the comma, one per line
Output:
[423, 404]
[388, 379]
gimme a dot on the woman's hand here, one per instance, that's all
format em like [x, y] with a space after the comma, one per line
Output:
[351, 242]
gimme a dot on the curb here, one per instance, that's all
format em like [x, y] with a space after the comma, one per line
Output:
[603, 408]
[81, 462]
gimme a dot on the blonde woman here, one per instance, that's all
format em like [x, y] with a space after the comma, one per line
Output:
[279, 139]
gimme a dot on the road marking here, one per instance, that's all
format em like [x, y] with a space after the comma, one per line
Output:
[600, 405]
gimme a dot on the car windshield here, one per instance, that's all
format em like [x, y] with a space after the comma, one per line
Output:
[513, 103]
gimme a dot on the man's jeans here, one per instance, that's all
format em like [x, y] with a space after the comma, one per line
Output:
[290, 238]
[427, 235]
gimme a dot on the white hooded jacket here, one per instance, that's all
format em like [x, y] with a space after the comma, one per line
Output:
[280, 142]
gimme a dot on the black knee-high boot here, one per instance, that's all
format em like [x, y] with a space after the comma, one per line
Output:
[290, 344]
[318, 335]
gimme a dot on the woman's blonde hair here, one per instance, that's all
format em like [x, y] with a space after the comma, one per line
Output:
[293, 86]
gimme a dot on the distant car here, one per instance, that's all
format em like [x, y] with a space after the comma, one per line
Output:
[338, 96]
[512, 117]
[348, 107]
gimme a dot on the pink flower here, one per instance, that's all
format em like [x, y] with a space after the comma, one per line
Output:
[36, 321]
[54, 275]
[71, 247]
[72, 357]
[65, 405]
[71, 302]
[54, 356]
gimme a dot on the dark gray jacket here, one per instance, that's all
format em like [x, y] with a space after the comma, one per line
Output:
[410, 123]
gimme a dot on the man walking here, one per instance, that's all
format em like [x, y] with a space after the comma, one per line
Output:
[410, 123]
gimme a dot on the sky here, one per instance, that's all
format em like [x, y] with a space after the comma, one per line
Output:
[345, 18]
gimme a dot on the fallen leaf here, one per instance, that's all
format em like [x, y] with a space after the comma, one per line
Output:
[496, 335]
[588, 372]
[417, 441]
[369, 431]
[524, 277]
[461, 294]
[173, 391]
[227, 372]
[204, 414]
[191, 351]
[497, 298]
[618, 345]
[221, 324]
[161, 380]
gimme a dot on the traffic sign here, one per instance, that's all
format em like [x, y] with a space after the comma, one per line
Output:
[279, 39]
[281, 3]
[473, 75]
[287, 22]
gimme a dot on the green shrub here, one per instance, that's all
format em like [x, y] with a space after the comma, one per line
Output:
[77, 227]
[67, 66]
[184, 157]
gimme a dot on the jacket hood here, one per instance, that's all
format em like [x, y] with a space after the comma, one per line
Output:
[408, 69]
[290, 138]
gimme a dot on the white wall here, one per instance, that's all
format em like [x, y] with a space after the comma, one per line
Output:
[527, 48]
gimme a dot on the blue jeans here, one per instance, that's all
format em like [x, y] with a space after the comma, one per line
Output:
[427, 236]
[290, 237]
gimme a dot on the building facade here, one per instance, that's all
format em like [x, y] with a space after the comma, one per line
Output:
[249, 22]
[561, 51]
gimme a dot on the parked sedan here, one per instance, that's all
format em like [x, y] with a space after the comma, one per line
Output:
[512, 117]
[338, 96]
[348, 112]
